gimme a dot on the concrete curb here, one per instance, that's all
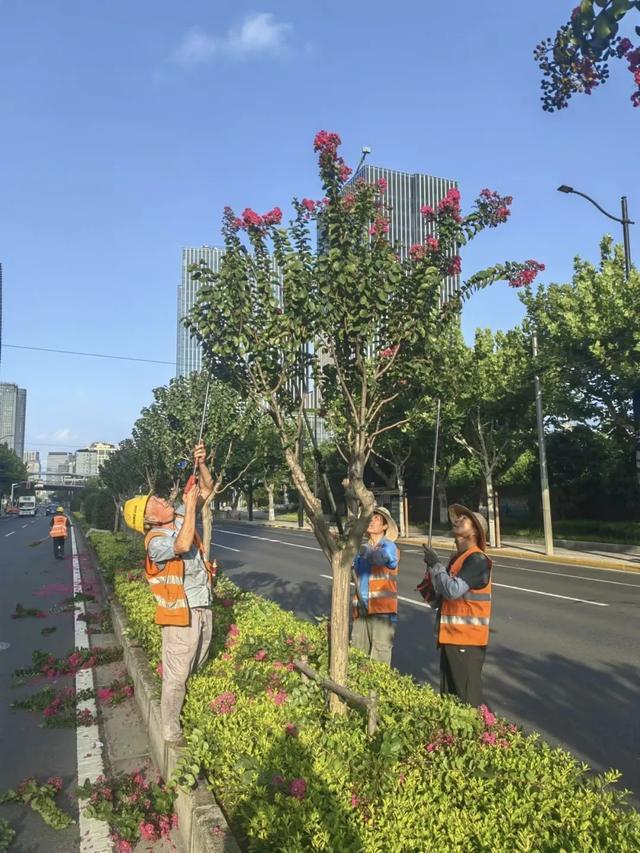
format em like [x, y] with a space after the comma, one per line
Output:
[202, 825]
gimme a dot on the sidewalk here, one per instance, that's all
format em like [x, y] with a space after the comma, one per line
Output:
[593, 556]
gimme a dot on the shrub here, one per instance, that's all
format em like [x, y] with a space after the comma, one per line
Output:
[437, 774]
[117, 552]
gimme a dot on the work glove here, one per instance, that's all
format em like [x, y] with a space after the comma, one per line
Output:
[430, 556]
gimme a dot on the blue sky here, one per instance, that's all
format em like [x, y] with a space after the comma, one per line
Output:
[126, 127]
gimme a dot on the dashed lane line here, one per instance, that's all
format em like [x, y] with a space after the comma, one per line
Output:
[227, 547]
[9, 534]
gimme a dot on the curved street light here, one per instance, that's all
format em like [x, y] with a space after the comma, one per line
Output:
[624, 221]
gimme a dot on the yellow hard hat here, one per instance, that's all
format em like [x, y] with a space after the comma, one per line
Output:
[59, 509]
[133, 512]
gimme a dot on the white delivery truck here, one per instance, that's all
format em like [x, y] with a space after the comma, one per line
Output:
[27, 505]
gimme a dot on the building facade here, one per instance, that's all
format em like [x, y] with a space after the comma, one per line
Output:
[59, 464]
[89, 460]
[13, 409]
[188, 351]
[31, 459]
[406, 193]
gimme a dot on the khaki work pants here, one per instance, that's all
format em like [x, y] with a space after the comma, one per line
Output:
[382, 629]
[184, 650]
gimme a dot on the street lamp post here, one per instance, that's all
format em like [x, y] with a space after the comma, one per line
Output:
[625, 222]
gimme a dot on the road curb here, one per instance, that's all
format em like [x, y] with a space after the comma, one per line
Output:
[202, 825]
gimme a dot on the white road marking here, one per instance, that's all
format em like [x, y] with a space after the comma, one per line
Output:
[521, 589]
[218, 545]
[265, 539]
[553, 595]
[565, 575]
[24, 525]
[9, 534]
[94, 834]
[421, 603]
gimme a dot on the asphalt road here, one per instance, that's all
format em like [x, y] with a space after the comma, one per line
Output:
[32, 577]
[564, 657]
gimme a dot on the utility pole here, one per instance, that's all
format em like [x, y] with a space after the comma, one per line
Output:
[544, 478]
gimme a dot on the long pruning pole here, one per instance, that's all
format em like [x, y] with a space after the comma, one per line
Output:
[192, 479]
[433, 475]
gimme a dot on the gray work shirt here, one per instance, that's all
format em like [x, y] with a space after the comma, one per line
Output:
[196, 580]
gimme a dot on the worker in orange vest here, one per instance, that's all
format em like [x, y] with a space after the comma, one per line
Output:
[180, 576]
[58, 531]
[374, 607]
[463, 599]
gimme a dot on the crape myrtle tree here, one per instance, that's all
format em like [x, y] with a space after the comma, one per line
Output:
[576, 60]
[171, 424]
[353, 318]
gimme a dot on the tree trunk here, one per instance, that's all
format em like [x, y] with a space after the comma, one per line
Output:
[270, 495]
[116, 520]
[207, 525]
[400, 482]
[250, 501]
[491, 507]
[339, 626]
[441, 489]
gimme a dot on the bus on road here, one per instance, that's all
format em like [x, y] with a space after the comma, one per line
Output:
[27, 505]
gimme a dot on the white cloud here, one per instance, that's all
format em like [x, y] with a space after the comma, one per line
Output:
[62, 434]
[258, 34]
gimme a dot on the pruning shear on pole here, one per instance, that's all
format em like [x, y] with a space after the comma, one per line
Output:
[192, 479]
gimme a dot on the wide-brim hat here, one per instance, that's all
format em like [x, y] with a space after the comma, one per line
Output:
[392, 527]
[478, 520]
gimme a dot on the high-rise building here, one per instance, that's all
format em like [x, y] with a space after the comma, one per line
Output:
[89, 460]
[188, 351]
[13, 406]
[103, 450]
[0, 312]
[406, 193]
[31, 459]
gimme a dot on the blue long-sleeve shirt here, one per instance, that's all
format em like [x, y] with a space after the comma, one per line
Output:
[385, 553]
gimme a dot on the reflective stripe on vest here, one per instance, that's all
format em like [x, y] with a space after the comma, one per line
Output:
[59, 527]
[465, 621]
[383, 592]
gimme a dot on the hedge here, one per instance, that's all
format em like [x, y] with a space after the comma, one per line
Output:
[436, 776]
[117, 551]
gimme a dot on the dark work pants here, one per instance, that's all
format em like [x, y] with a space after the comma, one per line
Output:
[58, 546]
[461, 672]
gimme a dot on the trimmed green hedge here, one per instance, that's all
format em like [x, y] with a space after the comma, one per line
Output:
[436, 776]
[117, 551]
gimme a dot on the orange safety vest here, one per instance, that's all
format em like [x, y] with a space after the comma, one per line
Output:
[383, 592]
[465, 621]
[59, 527]
[167, 584]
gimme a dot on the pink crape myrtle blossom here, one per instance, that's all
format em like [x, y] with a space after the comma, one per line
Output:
[526, 274]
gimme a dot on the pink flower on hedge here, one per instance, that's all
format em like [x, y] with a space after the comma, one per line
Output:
[298, 789]
[488, 738]
[225, 703]
[278, 697]
[488, 717]
[160, 670]
[122, 845]
[228, 602]
[233, 630]
[55, 782]
[291, 730]
[349, 200]
[260, 655]
[148, 831]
